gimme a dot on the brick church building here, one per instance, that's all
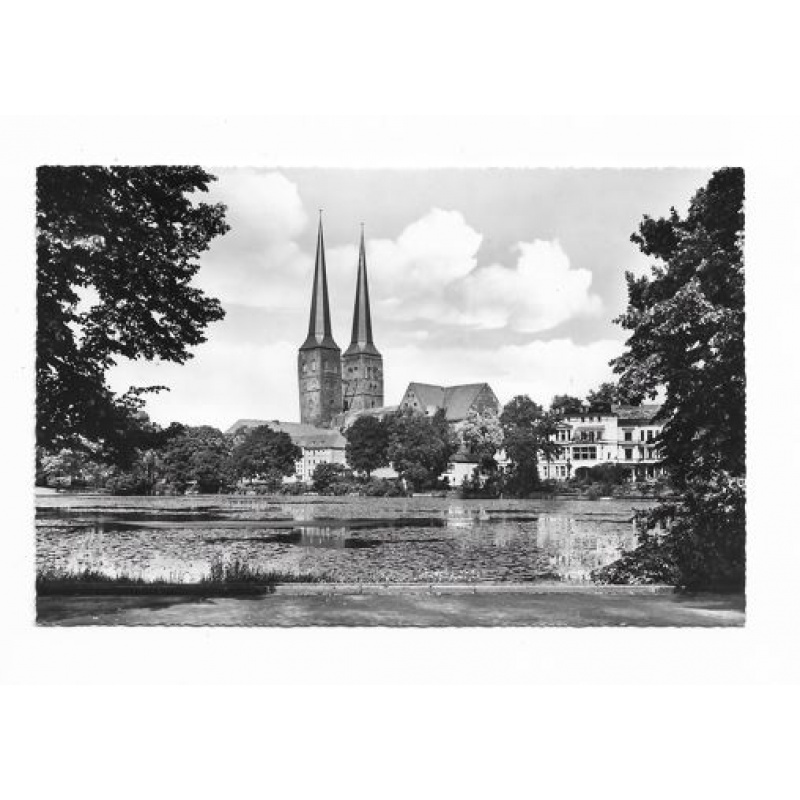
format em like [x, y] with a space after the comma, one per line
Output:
[336, 388]
[331, 383]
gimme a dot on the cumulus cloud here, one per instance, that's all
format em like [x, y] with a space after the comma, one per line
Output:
[430, 273]
[539, 292]
[411, 274]
[258, 262]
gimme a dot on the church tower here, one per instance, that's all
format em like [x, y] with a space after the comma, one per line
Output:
[319, 359]
[362, 364]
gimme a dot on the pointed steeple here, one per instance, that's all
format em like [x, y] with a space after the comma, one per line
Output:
[361, 339]
[319, 322]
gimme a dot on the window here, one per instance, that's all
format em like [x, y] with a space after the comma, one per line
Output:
[628, 436]
[649, 436]
[584, 453]
[629, 454]
[641, 436]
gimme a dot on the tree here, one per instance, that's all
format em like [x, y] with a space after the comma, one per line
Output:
[420, 447]
[200, 455]
[367, 446]
[526, 436]
[117, 250]
[265, 453]
[607, 394]
[327, 475]
[68, 467]
[687, 336]
[603, 397]
[482, 435]
[564, 405]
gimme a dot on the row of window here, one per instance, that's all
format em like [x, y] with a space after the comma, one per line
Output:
[563, 435]
[589, 453]
[584, 453]
[647, 436]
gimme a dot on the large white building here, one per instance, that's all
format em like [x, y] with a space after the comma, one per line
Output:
[626, 436]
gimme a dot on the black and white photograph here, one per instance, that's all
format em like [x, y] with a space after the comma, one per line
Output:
[399, 400]
[271, 396]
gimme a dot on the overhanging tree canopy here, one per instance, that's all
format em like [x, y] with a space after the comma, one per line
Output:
[687, 335]
[117, 250]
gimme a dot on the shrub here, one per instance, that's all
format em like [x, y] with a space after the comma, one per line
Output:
[327, 475]
[613, 474]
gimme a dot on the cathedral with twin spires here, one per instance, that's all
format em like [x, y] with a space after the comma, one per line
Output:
[331, 383]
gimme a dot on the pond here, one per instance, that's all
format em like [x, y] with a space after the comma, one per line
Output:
[350, 539]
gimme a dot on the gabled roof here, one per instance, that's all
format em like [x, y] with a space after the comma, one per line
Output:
[455, 400]
[459, 399]
[427, 394]
[643, 413]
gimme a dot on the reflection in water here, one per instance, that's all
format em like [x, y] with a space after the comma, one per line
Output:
[348, 540]
[314, 536]
[575, 547]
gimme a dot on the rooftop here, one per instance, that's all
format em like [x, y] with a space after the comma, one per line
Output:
[455, 400]
[642, 413]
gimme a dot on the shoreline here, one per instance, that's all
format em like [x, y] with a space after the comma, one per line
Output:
[330, 588]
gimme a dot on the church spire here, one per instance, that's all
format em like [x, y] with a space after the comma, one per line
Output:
[319, 322]
[361, 339]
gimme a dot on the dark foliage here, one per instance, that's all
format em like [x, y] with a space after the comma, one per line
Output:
[264, 454]
[563, 405]
[609, 394]
[367, 444]
[198, 458]
[117, 249]
[687, 335]
[327, 476]
[526, 436]
[420, 447]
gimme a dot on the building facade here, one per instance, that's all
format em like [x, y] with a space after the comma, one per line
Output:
[626, 435]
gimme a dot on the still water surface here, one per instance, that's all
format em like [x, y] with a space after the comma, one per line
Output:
[418, 539]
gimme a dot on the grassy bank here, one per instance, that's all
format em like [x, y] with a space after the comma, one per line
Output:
[225, 579]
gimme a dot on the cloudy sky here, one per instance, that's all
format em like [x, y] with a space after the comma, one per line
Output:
[507, 276]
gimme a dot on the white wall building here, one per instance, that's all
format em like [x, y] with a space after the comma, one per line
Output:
[625, 436]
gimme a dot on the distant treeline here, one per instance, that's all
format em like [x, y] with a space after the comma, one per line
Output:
[182, 458]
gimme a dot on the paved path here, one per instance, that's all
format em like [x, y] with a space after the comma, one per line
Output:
[473, 610]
